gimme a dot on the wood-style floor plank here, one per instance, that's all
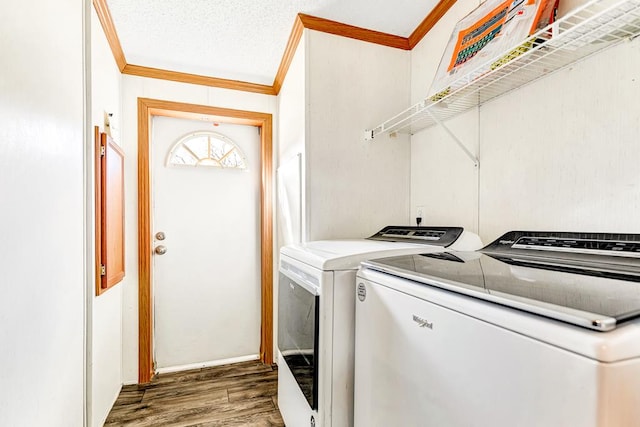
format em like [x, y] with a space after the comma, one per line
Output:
[242, 394]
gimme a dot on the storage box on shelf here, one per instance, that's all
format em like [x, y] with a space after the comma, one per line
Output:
[596, 25]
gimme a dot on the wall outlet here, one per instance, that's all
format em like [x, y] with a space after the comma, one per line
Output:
[419, 215]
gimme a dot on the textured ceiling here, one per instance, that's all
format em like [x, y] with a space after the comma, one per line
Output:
[241, 39]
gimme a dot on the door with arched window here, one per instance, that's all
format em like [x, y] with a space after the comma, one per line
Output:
[206, 285]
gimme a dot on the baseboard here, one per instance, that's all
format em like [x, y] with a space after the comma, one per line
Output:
[207, 364]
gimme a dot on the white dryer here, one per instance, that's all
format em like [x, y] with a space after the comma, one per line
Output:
[316, 316]
[536, 329]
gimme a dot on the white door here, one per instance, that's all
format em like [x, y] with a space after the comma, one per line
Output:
[206, 287]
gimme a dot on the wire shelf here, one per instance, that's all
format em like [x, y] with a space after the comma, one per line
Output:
[596, 25]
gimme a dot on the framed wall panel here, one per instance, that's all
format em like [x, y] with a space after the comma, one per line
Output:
[110, 268]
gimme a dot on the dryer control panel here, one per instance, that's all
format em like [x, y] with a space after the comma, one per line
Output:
[436, 236]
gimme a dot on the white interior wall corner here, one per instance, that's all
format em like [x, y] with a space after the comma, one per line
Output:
[352, 85]
[106, 359]
[292, 124]
[443, 179]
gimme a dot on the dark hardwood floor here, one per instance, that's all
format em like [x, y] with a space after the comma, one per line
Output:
[242, 394]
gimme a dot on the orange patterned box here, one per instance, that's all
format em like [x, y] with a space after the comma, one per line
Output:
[486, 38]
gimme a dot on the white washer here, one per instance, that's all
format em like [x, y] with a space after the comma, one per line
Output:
[316, 315]
[537, 329]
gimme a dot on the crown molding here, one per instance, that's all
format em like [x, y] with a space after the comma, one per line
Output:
[345, 30]
[289, 52]
[428, 23]
[110, 32]
[196, 79]
[301, 22]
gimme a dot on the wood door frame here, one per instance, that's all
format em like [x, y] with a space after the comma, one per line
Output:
[147, 108]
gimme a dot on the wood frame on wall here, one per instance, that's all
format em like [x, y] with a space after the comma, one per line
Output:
[264, 121]
[109, 212]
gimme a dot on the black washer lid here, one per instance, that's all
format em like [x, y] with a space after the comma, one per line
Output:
[436, 236]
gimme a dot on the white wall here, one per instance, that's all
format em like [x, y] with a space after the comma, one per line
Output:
[292, 125]
[573, 168]
[335, 89]
[443, 179]
[106, 354]
[292, 105]
[558, 154]
[41, 214]
[354, 187]
[292, 130]
[132, 89]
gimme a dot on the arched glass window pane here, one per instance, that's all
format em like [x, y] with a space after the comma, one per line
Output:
[206, 149]
[183, 157]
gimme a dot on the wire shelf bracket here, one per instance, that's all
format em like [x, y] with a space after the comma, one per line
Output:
[457, 140]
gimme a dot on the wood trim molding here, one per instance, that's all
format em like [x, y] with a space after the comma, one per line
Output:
[110, 32]
[145, 319]
[345, 30]
[266, 227]
[428, 23]
[157, 73]
[289, 52]
[98, 209]
[146, 109]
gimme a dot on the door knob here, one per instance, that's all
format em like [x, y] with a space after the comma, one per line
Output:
[160, 235]
[160, 250]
